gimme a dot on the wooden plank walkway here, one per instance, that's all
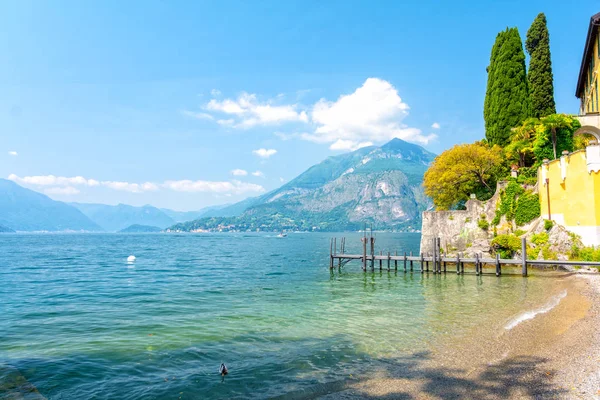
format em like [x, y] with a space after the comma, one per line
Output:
[440, 263]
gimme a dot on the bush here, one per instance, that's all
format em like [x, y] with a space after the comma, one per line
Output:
[528, 208]
[548, 224]
[506, 245]
[483, 224]
[519, 232]
[585, 253]
[539, 239]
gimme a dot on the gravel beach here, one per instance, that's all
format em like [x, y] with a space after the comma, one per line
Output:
[552, 354]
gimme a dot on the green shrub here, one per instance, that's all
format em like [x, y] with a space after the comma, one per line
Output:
[548, 224]
[483, 224]
[519, 232]
[585, 253]
[468, 219]
[528, 208]
[506, 245]
[539, 239]
[451, 217]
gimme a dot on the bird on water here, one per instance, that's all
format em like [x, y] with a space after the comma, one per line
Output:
[223, 370]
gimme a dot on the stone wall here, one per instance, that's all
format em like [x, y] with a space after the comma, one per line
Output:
[459, 230]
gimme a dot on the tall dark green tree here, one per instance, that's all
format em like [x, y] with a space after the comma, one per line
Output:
[541, 86]
[507, 102]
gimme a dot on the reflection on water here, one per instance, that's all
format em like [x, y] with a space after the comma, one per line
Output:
[78, 321]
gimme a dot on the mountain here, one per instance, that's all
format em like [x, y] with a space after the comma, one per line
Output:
[232, 210]
[182, 216]
[381, 186]
[25, 210]
[116, 218]
[140, 229]
[4, 229]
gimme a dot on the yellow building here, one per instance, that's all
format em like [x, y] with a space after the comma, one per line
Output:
[588, 85]
[569, 188]
[573, 185]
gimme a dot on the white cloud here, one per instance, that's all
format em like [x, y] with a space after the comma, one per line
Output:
[226, 122]
[239, 172]
[435, 125]
[249, 112]
[51, 180]
[281, 179]
[264, 153]
[13, 153]
[215, 92]
[198, 115]
[130, 187]
[65, 191]
[258, 174]
[66, 185]
[233, 187]
[348, 145]
[373, 113]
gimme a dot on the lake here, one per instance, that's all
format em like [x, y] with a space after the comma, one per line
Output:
[78, 321]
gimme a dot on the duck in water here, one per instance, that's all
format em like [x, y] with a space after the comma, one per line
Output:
[223, 370]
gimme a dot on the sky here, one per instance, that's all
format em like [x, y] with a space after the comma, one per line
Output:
[189, 104]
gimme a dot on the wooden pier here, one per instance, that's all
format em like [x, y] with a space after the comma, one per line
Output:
[407, 262]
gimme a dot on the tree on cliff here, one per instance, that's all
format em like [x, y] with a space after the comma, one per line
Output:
[539, 76]
[507, 101]
[520, 148]
[554, 135]
[462, 170]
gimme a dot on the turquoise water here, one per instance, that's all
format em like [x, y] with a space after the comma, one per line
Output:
[77, 321]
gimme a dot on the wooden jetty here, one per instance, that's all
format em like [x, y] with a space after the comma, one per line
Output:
[439, 262]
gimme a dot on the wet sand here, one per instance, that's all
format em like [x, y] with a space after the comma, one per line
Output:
[553, 355]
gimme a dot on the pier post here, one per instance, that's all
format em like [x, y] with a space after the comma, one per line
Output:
[405, 262]
[388, 261]
[372, 253]
[364, 260]
[433, 258]
[476, 264]
[524, 255]
[498, 270]
[331, 254]
[457, 263]
[462, 267]
[439, 256]
[396, 262]
[381, 260]
[411, 262]
[422, 262]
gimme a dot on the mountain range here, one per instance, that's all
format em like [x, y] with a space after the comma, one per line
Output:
[378, 186]
[25, 210]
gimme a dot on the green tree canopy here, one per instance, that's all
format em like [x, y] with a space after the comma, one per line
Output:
[507, 101]
[462, 170]
[541, 86]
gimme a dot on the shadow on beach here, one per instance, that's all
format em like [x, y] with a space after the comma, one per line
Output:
[416, 377]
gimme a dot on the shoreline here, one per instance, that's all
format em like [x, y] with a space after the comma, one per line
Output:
[553, 354]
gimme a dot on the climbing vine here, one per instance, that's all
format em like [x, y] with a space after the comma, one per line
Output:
[518, 204]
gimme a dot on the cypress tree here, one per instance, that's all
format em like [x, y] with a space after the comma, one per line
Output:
[507, 102]
[541, 86]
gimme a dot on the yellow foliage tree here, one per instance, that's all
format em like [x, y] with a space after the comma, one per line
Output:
[462, 170]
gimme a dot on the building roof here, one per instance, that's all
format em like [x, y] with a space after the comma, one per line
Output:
[587, 51]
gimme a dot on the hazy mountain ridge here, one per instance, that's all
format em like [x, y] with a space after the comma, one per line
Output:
[375, 185]
[22, 209]
[137, 228]
[115, 218]
[5, 229]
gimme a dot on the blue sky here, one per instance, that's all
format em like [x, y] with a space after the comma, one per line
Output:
[169, 103]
